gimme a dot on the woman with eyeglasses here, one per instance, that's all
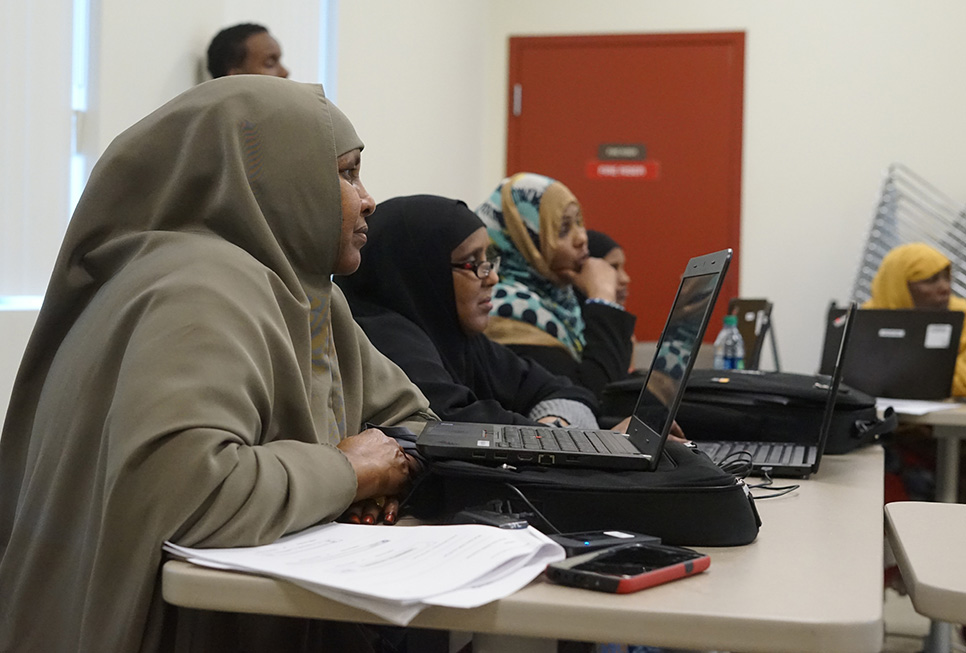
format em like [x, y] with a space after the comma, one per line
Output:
[537, 226]
[423, 294]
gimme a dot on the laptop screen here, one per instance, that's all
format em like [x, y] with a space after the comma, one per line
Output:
[835, 380]
[902, 353]
[676, 350]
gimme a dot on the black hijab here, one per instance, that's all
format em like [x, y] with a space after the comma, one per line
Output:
[600, 244]
[406, 269]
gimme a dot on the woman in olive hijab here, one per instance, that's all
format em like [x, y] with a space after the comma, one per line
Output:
[194, 375]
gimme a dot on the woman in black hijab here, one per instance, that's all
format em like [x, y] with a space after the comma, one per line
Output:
[602, 246]
[422, 295]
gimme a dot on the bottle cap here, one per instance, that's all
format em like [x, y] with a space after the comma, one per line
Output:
[731, 320]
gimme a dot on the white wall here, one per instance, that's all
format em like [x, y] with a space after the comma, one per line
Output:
[412, 77]
[15, 328]
[834, 92]
[146, 53]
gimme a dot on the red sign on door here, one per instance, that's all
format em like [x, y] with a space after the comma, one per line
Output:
[641, 170]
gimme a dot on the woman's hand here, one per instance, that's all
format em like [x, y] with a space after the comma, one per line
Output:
[553, 420]
[676, 433]
[597, 279]
[372, 511]
[382, 467]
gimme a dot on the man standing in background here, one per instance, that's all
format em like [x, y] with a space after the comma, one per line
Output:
[245, 49]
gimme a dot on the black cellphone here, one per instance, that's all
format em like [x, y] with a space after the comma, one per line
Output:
[587, 541]
[628, 568]
[490, 518]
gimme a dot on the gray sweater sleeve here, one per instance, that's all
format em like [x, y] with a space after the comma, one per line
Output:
[574, 412]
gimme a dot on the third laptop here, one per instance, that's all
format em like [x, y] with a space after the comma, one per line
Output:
[905, 354]
[799, 454]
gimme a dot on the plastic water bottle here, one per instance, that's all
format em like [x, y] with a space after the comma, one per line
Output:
[729, 346]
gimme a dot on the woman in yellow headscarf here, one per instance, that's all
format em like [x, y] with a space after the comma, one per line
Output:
[917, 276]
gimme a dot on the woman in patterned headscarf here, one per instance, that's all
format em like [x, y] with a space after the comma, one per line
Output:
[537, 226]
[194, 375]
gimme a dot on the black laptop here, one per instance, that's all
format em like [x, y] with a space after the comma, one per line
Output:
[799, 454]
[653, 415]
[902, 354]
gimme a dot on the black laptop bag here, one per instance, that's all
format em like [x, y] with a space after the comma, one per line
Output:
[687, 500]
[748, 406]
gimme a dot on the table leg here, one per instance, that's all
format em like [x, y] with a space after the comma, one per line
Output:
[947, 462]
[487, 643]
[940, 639]
[947, 491]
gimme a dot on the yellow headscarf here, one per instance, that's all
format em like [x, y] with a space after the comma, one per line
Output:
[911, 262]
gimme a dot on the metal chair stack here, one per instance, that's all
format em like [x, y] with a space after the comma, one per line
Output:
[912, 210]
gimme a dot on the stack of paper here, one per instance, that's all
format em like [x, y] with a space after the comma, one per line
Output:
[913, 406]
[395, 571]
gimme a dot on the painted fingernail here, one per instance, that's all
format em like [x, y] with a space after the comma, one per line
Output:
[354, 519]
[368, 519]
[390, 518]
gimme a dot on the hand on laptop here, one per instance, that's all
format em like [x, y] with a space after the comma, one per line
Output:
[676, 433]
[372, 511]
[383, 470]
[554, 420]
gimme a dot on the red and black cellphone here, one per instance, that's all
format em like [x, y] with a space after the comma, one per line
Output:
[628, 567]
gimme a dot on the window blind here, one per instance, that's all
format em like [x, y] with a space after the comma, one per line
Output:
[36, 39]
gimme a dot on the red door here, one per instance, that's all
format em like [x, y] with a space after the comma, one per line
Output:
[646, 131]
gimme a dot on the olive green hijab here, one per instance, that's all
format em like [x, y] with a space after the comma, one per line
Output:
[192, 366]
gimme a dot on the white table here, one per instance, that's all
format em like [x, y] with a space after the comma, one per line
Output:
[927, 539]
[812, 581]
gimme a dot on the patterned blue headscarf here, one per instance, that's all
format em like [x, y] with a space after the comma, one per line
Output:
[523, 218]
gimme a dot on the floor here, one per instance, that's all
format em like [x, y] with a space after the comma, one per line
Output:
[905, 630]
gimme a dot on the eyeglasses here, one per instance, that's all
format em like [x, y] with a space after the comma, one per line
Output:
[481, 269]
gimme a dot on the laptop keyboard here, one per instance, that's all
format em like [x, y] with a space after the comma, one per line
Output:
[762, 453]
[564, 440]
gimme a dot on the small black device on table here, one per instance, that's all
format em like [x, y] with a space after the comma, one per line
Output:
[587, 541]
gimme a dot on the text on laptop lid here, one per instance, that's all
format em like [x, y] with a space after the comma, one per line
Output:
[904, 353]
